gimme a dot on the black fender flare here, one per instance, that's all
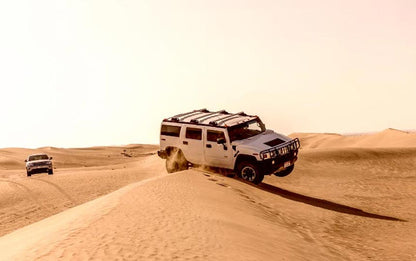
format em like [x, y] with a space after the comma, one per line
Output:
[243, 157]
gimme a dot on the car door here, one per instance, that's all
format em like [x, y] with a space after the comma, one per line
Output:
[217, 155]
[192, 145]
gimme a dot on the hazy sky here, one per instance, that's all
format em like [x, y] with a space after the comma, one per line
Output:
[82, 73]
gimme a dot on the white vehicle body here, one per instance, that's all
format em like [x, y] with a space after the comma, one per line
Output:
[39, 163]
[224, 140]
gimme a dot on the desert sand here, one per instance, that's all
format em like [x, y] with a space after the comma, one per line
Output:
[349, 198]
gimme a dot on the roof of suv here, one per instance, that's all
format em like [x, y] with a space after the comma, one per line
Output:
[38, 154]
[205, 117]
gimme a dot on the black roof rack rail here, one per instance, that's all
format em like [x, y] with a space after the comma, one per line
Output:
[193, 113]
[229, 118]
[182, 114]
[186, 113]
[211, 115]
[205, 115]
[219, 121]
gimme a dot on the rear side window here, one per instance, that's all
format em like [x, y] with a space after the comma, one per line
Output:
[170, 130]
[214, 135]
[194, 133]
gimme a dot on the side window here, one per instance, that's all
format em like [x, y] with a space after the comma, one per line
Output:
[170, 130]
[193, 133]
[214, 135]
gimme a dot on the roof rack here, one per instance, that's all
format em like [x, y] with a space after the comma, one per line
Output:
[211, 115]
[229, 117]
[186, 113]
[193, 113]
[203, 116]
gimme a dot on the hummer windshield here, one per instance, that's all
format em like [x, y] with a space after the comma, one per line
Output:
[38, 157]
[246, 130]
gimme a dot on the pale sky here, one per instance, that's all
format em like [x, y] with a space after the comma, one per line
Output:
[83, 73]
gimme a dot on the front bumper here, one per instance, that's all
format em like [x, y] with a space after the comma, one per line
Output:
[281, 150]
[40, 167]
[272, 166]
[280, 156]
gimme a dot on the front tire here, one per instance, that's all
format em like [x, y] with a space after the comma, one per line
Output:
[285, 172]
[250, 172]
[50, 172]
[29, 173]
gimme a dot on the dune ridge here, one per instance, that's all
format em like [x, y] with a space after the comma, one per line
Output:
[389, 138]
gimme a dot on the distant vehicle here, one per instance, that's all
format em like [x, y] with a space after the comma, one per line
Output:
[235, 141]
[37, 163]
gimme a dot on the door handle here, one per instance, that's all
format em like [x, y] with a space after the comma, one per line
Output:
[209, 146]
[185, 142]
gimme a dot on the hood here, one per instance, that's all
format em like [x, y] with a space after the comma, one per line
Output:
[259, 142]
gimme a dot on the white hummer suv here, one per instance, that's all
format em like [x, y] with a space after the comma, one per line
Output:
[235, 141]
[39, 163]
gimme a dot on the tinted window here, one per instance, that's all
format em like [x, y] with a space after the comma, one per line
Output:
[246, 130]
[193, 133]
[38, 157]
[169, 130]
[214, 135]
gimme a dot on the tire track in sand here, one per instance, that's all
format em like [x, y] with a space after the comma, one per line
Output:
[62, 191]
[33, 197]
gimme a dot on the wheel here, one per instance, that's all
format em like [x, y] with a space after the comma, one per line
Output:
[285, 172]
[29, 173]
[176, 161]
[50, 172]
[171, 165]
[250, 172]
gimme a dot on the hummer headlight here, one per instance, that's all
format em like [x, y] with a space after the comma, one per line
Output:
[265, 155]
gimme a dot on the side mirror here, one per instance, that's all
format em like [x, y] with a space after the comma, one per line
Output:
[25, 160]
[50, 158]
[221, 141]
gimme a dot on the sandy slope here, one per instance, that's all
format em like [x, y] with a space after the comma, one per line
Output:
[80, 176]
[177, 216]
[386, 139]
[344, 203]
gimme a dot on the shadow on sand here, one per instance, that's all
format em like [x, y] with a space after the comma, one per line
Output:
[321, 203]
[316, 202]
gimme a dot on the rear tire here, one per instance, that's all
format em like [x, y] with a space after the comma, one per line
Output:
[29, 173]
[250, 172]
[50, 172]
[175, 161]
[285, 172]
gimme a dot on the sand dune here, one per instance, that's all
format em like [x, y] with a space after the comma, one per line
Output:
[386, 139]
[341, 203]
[80, 176]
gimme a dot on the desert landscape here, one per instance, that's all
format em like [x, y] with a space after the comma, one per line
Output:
[349, 198]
